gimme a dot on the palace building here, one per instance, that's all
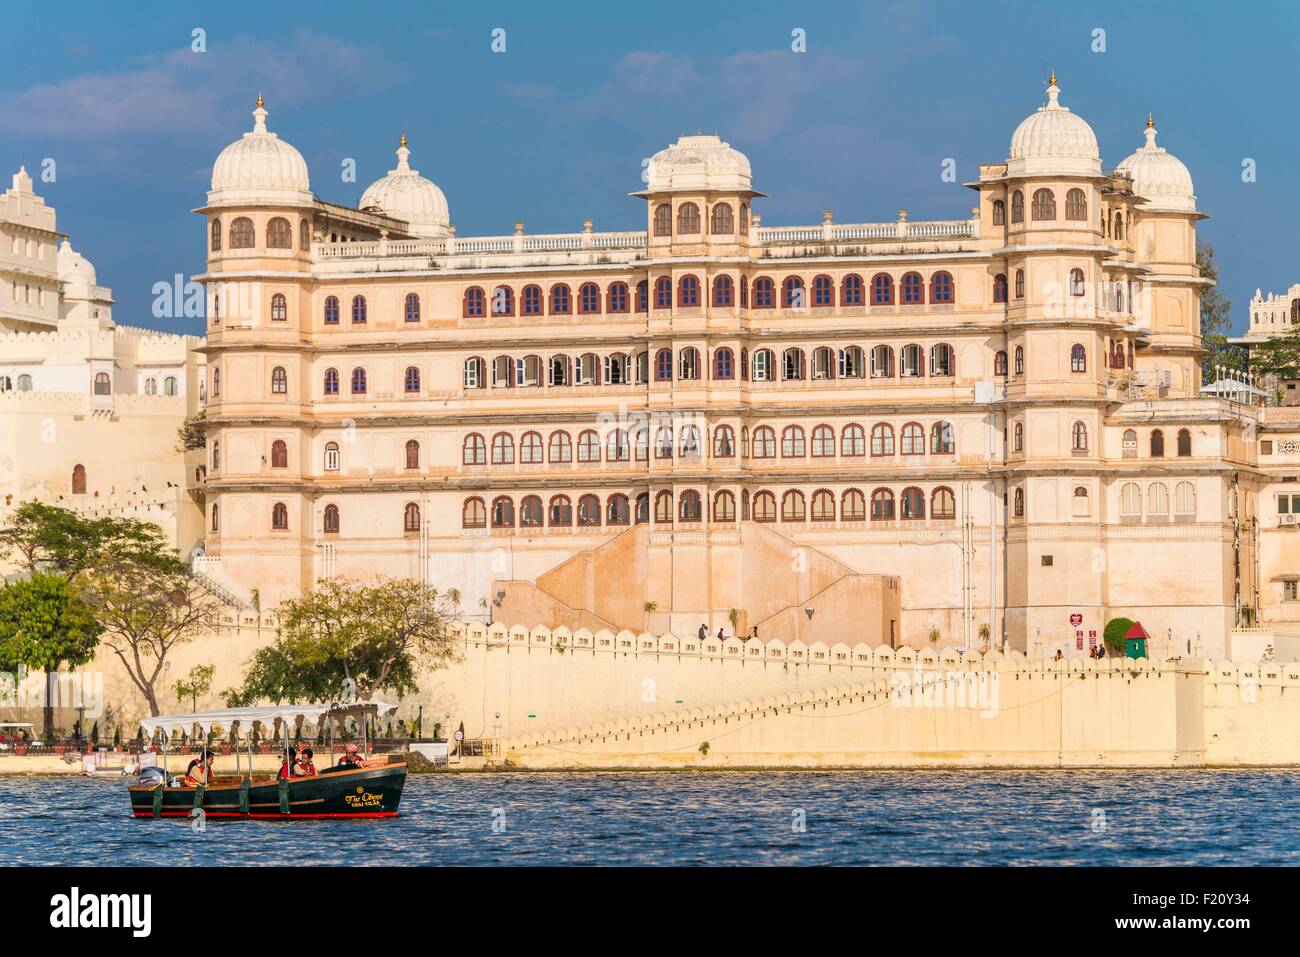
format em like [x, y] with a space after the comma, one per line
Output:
[959, 432]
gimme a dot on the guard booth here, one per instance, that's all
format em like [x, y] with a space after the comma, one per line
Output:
[1135, 641]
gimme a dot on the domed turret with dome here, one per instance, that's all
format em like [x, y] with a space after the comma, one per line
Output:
[259, 168]
[1159, 177]
[1052, 141]
[700, 162]
[405, 194]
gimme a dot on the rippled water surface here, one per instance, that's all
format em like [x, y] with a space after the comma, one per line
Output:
[866, 817]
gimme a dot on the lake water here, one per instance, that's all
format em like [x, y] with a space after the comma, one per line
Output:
[787, 817]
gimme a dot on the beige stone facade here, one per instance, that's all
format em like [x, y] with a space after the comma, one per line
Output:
[889, 432]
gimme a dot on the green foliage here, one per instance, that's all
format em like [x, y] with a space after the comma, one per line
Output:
[1216, 319]
[1114, 633]
[58, 540]
[377, 637]
[196, 684]
[934, 636]
[193, 434]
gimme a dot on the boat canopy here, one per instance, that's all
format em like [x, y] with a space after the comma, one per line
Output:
[264, 715]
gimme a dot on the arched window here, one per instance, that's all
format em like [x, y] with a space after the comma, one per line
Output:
[823, 442]
[823, 506]
[1184, 443]
[561, 302]
[721, 221]
[912, 439]
[913, 289]
[1081, 508]
[882, 362]
[1018, 437]
[279, 454]
[531, 301]
[942, 439]
[724, 507]
[1020, 360]
[792, 293]
[474, 303]
[688, 291]
[358, 309]
[663, 293]
[411, 518]
[474, 450]
[1000, 362]
[1017, 207]
[588, 298]
[216, 382]
[823, 291]
[616, 510]
[1078, 358]
[1018, 503]
[331, 523]
[1158, 501]
[792, 364]
[764, 293]
[1079, 437]
[216, 524]
[764, 443]
[792, 506]
[643, 508]
[724, 442]
[331, 310]
[169, 384]
[882, 289]
[853, 506]
[412, 454]
[280, 517]
[1185, 501]
[1020, 284]
[104, 385]
[688, 218]
[304, 236]
[241, 233]
[999, 213]
[688, 364]
[279, 381]
[1076, 206]
[358, 381]
[331, 456]
[853, 440]
[943, 360]
[279, 308]
[411, 380]
[882, 505]
[1129, 444]
[763, 361]
[560, 448]
[941, 288]
[531, 514]
[664, 508]
[1119, 226]
[79, 478]
[764, 507]
[588, 446]
[912, 362]
[216, 454]
[943, 505]
[473, 514]
[1157, 444]
[689, 506]
[1000, 287]
[617, 298]
[588, 510]
[882, 439]
[150, 385]
[792, 442]
[411, 310]
[664, 365]
[1076, 282]
[279, 234]
[723, 364]
[663, 220]
[530, 449]
[851, 290]
[1044, 206]
[331, 381]
[503, 512]
[722, 291]
[1130, 501]
[216, 235]
[503, 449]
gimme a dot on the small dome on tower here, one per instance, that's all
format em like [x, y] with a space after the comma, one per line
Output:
[405, 194]
[75, 271]
[1053, 140]
[700, 162]
[1159, 176]
[259, 168]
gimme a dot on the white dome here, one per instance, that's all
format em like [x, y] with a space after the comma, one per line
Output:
[1053, 140]
[698, 162]
[259, 168]
[75, 271]
[1159, 177]
[405, 194]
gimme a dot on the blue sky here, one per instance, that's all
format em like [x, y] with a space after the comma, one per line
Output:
[553, 131]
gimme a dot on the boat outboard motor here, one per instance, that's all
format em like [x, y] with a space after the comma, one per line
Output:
[152, 776]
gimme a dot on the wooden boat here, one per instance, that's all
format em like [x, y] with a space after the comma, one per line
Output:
[372, 790]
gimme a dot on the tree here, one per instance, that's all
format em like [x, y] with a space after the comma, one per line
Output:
[1216, 319]
[44, 625]
[148, 603]
[196, 684]
[1278, 355]
[193, 433]
[344, 634]
[49, 538]
[1113, 635]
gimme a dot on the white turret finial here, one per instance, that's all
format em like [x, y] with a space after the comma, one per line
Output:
[1053, 93]
[403, 155]
[259, 115]
[1150, 132]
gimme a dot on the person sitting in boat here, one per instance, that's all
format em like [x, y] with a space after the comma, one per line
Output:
[288, 763]
[199, 770]
[306, 766]
[351, 758]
